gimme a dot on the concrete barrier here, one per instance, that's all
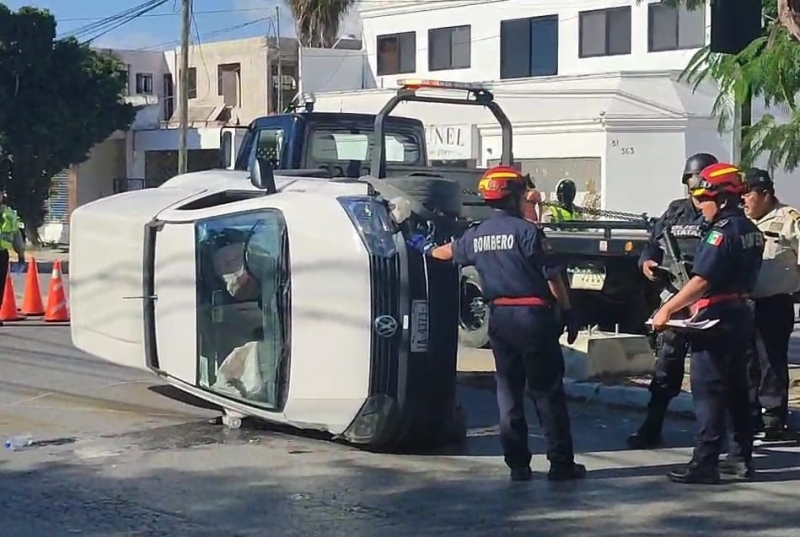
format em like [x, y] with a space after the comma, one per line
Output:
[599, 354]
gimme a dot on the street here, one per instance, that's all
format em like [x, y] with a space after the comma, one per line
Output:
[121, 455]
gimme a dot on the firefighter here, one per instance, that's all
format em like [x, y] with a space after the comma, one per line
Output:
[10, 239]
[726, 264]
[565, 210]
[522, 288]
[774, 307]
[685, 221]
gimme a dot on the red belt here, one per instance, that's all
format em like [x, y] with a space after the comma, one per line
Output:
[715, 299]
[520, 301]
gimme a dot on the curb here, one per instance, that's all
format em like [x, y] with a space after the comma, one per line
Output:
[44, 267]
[627, 397]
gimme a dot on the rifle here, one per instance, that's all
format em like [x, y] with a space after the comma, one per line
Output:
[673, 271]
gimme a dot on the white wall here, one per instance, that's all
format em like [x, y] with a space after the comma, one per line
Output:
[380, 18]
[323, 70]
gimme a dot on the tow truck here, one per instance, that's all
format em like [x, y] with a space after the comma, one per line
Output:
[289, 295]
[599, 254]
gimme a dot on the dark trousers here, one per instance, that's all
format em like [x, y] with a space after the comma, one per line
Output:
[3, 273]
[769, 362]
[719, 377]
[525, 346]
[667, 379]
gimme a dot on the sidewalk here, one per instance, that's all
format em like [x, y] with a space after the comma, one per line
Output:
[476, 368]
[45, 258]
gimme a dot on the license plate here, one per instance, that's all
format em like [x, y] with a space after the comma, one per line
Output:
[419, 326]
[589, 281]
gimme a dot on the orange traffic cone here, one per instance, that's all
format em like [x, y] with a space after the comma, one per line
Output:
[8, 311]
[57, 311]
[32, 300]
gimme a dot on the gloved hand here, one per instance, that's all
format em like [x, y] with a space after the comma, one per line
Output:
[420, 243]
[571, 325]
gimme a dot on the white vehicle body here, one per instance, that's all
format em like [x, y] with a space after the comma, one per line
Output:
[155, 286]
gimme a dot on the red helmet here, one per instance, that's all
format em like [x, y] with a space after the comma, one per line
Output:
[500, 181]
[719, 177]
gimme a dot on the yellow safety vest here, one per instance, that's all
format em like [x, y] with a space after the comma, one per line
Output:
[9, 225]
[560, 214]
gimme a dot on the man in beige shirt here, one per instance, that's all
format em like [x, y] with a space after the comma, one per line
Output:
[778, 279]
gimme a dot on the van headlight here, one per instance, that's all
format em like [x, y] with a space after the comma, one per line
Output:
[373, 223]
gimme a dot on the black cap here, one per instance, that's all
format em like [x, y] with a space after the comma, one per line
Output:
[758, 178]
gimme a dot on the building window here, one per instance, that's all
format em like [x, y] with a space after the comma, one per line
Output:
[397, 53]
[449, 48]
[144, 83]
[529, 47]
[168, 96]
[192, 86]
[228, 82]
[605, 32]
[671, 28]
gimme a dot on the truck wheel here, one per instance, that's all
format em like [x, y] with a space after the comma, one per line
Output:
[473, 322]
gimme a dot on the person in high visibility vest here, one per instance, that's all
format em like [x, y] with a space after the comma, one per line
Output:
[10, 239]
[565, 210]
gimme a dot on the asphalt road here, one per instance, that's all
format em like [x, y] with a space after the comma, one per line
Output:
[121, 456]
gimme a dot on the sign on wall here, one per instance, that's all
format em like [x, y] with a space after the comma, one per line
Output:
[452, 142]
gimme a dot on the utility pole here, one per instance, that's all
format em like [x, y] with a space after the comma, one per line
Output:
[280, 62]
[183, 88]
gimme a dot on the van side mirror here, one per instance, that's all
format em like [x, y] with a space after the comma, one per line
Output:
[261, 175]
[226, 151]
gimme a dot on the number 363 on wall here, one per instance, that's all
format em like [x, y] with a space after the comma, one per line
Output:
[623, 150]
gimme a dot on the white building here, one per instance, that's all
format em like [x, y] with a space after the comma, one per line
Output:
[590, 86]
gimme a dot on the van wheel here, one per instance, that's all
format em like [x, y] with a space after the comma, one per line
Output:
[473, 319]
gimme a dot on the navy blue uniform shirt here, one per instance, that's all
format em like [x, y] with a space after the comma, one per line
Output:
[511, 256]
[729, 256]
[687, 226]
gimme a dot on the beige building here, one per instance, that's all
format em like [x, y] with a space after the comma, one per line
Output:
[230, 83]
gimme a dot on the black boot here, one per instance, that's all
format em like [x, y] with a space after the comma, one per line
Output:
[523, 473]
[737, 467]
[649, 434]
[566, 472]
[695, 474]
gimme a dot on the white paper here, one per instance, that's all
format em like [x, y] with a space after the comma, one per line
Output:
[688, 324]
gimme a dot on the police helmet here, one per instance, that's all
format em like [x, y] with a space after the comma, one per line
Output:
[565, 191]
[697, 163]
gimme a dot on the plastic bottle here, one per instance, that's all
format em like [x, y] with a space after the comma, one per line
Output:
[18, 442]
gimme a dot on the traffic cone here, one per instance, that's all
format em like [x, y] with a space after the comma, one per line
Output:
[32, 300]
[57, 311]
[8, 311]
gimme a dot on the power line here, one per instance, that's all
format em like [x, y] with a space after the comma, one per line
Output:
[220, 31]
[92, 31]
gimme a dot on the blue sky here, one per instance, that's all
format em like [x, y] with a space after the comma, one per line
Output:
[216, 20]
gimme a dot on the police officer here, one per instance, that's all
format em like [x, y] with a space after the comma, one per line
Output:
[10, 239]
[685, 221]
[565, 210]
[522, 288]
[774, 307]
[726, 265]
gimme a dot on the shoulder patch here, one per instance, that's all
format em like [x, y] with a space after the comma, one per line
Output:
[722, 223]
[715, 238]
[793, 213]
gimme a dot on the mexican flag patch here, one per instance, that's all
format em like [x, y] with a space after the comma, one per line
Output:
[714, 238]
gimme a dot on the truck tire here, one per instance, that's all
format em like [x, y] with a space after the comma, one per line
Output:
[473, 322]
[434, 192]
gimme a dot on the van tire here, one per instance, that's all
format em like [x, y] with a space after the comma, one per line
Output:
[473, 325]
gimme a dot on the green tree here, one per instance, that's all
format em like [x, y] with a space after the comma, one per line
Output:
[58, 98]
[317, 21]
[768, 70]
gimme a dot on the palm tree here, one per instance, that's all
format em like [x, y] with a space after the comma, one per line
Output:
[317, 21]
[768, 69]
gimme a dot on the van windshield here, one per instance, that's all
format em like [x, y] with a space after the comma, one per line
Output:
[243, 306]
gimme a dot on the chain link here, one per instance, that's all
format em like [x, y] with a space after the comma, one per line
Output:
[604, 213]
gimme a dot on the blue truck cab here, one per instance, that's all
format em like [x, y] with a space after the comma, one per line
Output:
[338, 143]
